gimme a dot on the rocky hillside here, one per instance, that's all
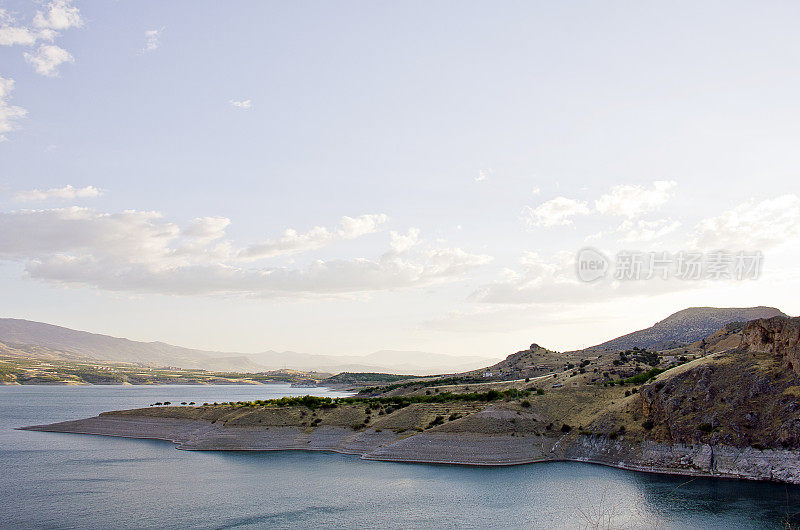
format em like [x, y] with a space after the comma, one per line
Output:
[534, 361]
[743, 397]
[686, 326]
[779, 336]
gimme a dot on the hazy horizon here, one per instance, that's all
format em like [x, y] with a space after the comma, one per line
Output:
[346, 178]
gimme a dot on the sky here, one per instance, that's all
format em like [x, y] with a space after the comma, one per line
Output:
[344, 177]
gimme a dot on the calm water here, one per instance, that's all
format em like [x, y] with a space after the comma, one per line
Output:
[68, 480]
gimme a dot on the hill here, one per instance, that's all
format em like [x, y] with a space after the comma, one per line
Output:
[24, 338]
[686, 326]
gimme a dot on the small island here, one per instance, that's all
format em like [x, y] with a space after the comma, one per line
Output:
[732, 410]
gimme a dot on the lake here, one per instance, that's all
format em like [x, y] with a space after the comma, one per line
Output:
[75, 481]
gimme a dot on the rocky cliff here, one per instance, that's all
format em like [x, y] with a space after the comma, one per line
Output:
[777, 335]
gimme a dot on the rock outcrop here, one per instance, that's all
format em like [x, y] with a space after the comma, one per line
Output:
[777, 335]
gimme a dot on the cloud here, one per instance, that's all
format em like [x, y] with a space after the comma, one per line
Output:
[554, 282]
[151, 40]
[9, 114]
[13, 35]
[241, 104]
[333, 277]
[207, 228]
[483, 174]
[752, 225]
[625, 200]
[633, 200]
[67, 192]
[48, 58]
[644, 231]
[555, 212]
[59, 15]
[292, 242]
[402, 243]
[138, 251]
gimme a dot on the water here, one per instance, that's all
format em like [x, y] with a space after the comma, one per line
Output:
[75, 481]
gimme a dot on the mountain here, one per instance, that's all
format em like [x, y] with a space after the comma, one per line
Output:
[686, 326]
[46, 341]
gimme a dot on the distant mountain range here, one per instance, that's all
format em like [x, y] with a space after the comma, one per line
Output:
[46, 341]
[37, 339]
[686, 326]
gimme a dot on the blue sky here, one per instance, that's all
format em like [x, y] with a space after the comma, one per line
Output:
[494, 139]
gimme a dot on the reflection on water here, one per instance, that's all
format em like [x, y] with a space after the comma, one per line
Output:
[65, 480]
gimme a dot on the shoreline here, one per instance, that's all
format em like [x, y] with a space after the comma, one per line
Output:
[464, 449]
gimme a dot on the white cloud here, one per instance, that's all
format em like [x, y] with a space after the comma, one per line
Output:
[753, 225]
[13, 35]
[241, 103]
[555, 282]
[403, 242]
[48, 58]
[59, 15]
[625, 200]
[556, 212]
[483, 174]
[207, 228]
[292, 242]
[151, 40]
[141, 252]
[9, 114]
[67, 192]
[321, 278]
[632, 200]
[644, 231]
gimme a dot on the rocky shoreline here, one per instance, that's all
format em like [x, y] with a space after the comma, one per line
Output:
[702, 460]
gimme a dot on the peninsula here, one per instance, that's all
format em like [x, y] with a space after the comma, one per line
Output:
[727, 405]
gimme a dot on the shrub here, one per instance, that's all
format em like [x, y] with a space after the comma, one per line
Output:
[525, 403]
[540, 392]
[648, 424]
[438, 420]
[705, 427]
[565, 428]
